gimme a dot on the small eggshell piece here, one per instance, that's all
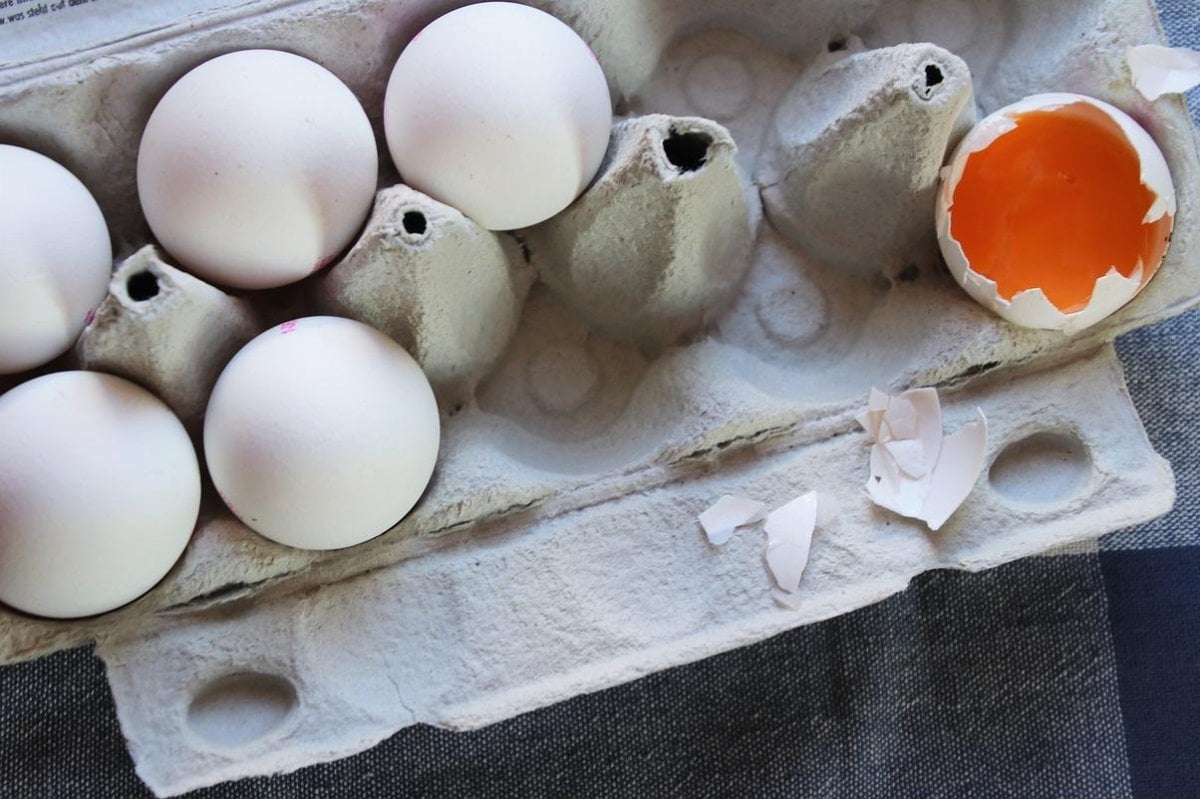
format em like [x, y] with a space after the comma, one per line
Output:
[1159, 70]
[256, 168]
[55, 259]
[958, 468]
[99, 493]
[321, 433]
[727, 514]
[914, 471]
[789, 532]
[499, 110]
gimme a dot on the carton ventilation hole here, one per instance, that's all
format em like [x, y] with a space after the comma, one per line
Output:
[237, 709]
[927, 81]
[414, 223]
[836, 45]
[141, 286]
[1043, 468]
[687, 152]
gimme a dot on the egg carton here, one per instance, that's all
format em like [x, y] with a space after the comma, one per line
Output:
[756, 254]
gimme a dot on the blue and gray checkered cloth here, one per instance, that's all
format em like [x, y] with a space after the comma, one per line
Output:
[1065, 676]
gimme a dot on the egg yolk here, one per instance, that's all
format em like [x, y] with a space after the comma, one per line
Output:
[1055, 204]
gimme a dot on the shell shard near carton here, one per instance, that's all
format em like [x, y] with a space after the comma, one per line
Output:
[789, 532]
[914, 471]
[1159, 70]
[729, 513]
[959, 465]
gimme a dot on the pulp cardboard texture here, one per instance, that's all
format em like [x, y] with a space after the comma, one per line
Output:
[446, 289]
[521, 612]
[557, 549]
[152, 315]
[673, 189]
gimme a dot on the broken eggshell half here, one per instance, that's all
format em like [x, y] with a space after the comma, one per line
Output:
[1016, 286]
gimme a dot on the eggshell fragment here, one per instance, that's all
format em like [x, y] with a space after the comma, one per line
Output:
[789, 537]
[910, 426]
[729, 513]
[321, 433]
[958, 467]
[99, 493]
[1031, 307]
[1159, 70]
[914, 471]
[55, 259]
[257, 168]
[499, 110]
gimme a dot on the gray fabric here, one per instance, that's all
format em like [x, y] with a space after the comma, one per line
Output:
[1162, 372]
[1181, 21]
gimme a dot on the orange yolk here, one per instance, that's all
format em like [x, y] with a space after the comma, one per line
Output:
[1056, 203]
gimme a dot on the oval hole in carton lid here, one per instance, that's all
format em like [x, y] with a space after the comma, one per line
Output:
[237, 709]
[1041, 468]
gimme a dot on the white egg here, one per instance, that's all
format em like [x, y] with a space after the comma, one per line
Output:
[99, 493]
[1055, 211]
[321, 433]
[499, 110]
[257, 168]
[55, 259]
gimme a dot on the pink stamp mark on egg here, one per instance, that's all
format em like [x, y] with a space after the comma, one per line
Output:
[89, 317]
[321, 264]
[287, 327]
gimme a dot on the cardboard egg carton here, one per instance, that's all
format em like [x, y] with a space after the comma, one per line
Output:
[755, 255]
